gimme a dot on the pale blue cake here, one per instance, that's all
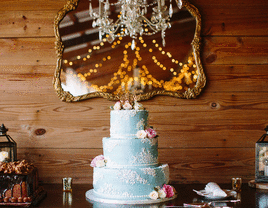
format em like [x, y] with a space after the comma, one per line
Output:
[131, 171]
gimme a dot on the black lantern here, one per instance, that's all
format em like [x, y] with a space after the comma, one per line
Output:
[8, 147]
[261, 159]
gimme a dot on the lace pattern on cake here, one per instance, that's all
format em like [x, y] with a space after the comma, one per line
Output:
[108, 190]
[131, 177]
[110, 145]
[144, 157]
[149, 171]
[97, 177]
[125, 136]
[141, 124]
[165, 170]
[125, 114]
[152, 141]
[111, 163]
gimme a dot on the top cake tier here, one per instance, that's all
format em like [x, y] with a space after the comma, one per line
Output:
[126, 123]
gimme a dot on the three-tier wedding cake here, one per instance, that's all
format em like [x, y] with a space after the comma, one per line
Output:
[128, 172]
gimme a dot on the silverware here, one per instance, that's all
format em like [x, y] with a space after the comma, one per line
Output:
[226, 201]
[194, 206]
[208, 204]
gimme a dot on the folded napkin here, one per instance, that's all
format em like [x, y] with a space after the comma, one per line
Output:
[215, 189]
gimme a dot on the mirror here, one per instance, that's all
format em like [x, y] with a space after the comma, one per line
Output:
[88, 67]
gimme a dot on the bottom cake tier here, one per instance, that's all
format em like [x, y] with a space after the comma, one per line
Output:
[130, 183]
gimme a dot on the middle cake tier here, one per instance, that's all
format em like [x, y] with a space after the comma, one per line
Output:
[130, 152]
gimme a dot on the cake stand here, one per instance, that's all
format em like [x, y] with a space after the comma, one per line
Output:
[93, 197]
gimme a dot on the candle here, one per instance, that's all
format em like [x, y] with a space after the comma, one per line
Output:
[3, 156]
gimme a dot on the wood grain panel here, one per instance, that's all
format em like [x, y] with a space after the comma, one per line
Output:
[205, 165]
[31, 5]
[27, 23]
[54, 164]
[215, 120]
[229, 18]
[186, 165]
[235, 50]
[28, 51]
[219, 18]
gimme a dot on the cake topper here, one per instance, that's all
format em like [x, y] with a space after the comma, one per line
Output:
[128, 101]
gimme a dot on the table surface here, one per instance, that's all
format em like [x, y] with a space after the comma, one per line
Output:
[56, 198]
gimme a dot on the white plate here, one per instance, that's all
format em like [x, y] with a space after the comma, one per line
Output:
[230, 193]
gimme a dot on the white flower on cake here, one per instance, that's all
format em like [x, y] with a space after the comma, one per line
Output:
[162, 194]
[148, 133]
[117, 106]
[138, 106]
[127, 105]
[100, 163]
[141, 134]
[153, 195]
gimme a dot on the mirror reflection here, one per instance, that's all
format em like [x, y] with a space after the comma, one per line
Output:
[108, 67]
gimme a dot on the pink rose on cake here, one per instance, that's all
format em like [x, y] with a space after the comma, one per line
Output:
[151, 133]
[99, 161]
[169, 190]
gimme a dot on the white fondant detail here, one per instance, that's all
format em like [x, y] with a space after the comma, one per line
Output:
[165, 170]
[131, 177]
[152, 141]
[97, 177]
[141, 124]
[125, 114]
[110, 145]
[125, 136]
[108, 189]
[111, 163]
[144, 157]
[125, 193]
[149, 171]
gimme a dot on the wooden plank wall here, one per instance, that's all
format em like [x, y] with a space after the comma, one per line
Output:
[211, 138]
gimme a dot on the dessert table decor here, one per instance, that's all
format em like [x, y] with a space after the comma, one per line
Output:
[8, 147]
[67, 184]
[213, 191]
[261, 159]
[19, 184]
[237, 184]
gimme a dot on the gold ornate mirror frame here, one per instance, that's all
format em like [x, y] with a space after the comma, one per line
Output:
[189, 93]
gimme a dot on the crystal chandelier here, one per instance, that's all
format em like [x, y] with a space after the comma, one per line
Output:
[132, 20]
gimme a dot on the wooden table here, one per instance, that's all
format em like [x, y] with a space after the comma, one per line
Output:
[56, 198]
